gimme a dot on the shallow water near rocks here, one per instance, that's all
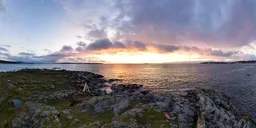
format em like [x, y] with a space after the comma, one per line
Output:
[235, 80]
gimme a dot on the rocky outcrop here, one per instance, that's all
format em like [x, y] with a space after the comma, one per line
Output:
[215, 111]
[126, 106]
[39, 115]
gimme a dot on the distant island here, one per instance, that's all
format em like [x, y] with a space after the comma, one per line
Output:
[10, 62]
[233, 62]
[20, 62]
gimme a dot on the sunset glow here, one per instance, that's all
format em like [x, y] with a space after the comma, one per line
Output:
[109, 32]
[149, 58]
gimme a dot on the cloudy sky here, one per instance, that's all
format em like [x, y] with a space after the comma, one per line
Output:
[127, 31]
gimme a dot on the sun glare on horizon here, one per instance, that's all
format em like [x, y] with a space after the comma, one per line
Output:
[147, 58]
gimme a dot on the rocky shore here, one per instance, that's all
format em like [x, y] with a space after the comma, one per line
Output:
[64, 99]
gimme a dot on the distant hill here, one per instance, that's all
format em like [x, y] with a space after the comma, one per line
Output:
[7, 62]
[20, 62]
[234, 62]
[11, 62]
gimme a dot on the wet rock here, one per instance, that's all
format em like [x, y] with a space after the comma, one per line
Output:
[114, 80]
[165, 104]
[245, 123]
[215, 115]
[145, 92]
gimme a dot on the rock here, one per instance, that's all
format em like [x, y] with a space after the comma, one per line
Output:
[11, 86]
[145, 92]
[17, 123]
[20, 89]
[118, 124]
[68, 114]
[200, 122]
[39, 112]
[63, 94]
[245, 123]
[133, 112]
[147, 126]
[51, 86]
[56, 68]
[215, 114]
[98, 103]
[121, 106]
[164, 104]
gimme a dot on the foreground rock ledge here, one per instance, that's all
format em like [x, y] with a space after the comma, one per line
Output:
[58, 98]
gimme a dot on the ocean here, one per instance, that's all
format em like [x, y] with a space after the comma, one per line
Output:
[237, 81]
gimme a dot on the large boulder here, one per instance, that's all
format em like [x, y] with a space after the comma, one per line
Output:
[42, 114]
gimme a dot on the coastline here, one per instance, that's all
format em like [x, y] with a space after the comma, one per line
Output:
[60, 98]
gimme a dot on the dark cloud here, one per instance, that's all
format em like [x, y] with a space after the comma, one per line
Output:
[2, 8]
[3, 49]
[5, 45]
[53, 57]
[186, 49]
[26, 54]
[218, 23]
[81, 46]
[104, 44]
[223, 54]
[79, 37]
[136, 44]
[97, 34]
[99, 45]
[4, 54]
[81, 43]
[118, 45]
[47, 50]
[66, 48]
[166, 48]
[80, 49]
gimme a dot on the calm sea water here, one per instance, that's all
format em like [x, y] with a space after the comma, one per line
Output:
[238, 81]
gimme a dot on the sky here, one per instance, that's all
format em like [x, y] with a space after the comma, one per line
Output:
[127, 31]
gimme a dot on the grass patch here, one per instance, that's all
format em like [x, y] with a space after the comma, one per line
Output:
[26, 83]
[152, 117]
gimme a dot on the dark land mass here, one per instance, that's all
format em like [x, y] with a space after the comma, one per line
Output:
[13, 62]
[7, 62]
[20, 62]
[234, 62]
[71, 99]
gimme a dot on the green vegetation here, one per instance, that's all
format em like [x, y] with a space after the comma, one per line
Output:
[152, 117]
[25, 84]
[30, 85]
